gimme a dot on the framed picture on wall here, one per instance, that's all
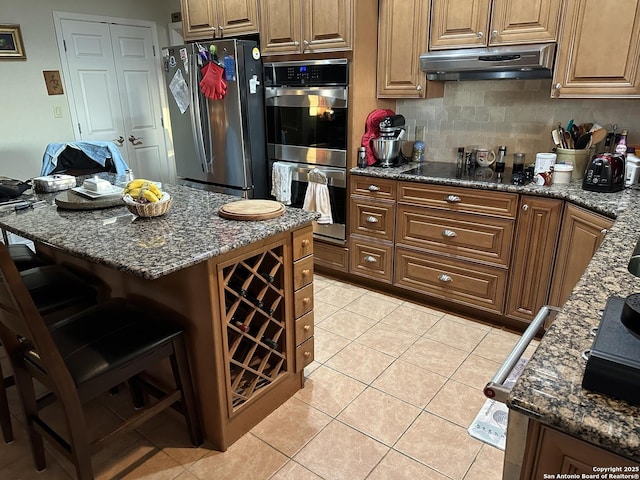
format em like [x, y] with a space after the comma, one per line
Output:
[11, 46]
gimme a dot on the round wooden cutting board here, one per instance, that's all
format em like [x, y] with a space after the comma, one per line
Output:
[251, 210]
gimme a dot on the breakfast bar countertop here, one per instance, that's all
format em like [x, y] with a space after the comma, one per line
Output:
[550, 387]
[189, 233]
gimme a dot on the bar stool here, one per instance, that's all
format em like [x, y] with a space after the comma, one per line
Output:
[85, 355]
[56, 293]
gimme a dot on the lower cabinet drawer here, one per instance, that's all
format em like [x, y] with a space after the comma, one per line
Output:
[371, 259]
[304, 328]
[303, 301]
[462, 282]
[303, 272]
[335, 257]
[304, 354]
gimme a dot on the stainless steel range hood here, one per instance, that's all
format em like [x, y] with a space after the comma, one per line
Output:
[493, 63]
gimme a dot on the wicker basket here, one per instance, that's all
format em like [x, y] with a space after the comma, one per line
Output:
[152, 209]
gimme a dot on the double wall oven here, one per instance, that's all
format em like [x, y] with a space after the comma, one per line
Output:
[306, 122]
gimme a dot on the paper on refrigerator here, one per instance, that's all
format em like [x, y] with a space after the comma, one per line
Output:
[180, 91]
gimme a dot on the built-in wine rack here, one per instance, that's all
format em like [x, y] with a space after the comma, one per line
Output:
[255, 323]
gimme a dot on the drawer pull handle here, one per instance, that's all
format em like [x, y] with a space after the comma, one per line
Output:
[374, 188]
[306, 301]
[371, 219]
[369, 259]
[306, 328]
[445, 278]
[306, 354]
[305, 242]
[525, 207]
[604, 231]
[449, 233]
[452, 199]
[306, 272]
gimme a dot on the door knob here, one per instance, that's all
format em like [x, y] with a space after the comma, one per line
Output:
[134, 140]
[119, 140]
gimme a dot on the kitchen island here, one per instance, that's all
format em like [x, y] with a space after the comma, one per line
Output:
[548, 395]
[243, 290]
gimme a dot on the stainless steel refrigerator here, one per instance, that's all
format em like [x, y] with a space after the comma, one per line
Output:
[219, 144]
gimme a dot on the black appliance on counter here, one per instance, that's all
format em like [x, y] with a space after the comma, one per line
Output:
[613, 365]
[306, 124]
[604, 173]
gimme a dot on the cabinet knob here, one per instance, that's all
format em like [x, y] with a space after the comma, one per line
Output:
[306, 272]
[480, 34]
[306, 354]
[525, 207]
[296, 43]
[305, 44]
[374, 188]
[306, 301]
[558, 86]
[369, 259]
[445, 278]
[449, 233]
[418, 87]
[305, 242]
[604, 231]
[306, 328]
[214, 30]
[452, 199]
[371, 219]
[494, 34]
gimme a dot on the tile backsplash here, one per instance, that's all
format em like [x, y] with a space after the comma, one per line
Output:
[517, 113]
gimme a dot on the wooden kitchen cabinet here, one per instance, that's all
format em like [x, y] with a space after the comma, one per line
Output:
[402, 36]
[209, 19]
[581, 235]
[537, 232]
[605, 64]
[481, 23]
[305, 26]
[549, 451]
[372, 207]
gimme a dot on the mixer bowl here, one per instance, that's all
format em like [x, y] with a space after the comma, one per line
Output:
[386, 150]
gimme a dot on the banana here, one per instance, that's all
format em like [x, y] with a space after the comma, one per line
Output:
[149, 195]
[137, 183]
[156, 191]
[135, 192]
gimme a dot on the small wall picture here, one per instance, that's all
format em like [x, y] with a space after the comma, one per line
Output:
[11, 42]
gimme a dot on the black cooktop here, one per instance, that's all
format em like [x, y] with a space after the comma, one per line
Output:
[482, 174]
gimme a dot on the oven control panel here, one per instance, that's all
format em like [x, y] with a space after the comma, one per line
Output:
[307, 73]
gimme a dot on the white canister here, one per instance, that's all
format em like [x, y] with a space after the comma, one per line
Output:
[562, 173]
[544, 161]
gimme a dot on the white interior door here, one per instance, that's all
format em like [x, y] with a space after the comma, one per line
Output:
[134, 59]
[114, 85]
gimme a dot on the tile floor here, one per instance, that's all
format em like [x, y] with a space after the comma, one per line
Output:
[390, 395]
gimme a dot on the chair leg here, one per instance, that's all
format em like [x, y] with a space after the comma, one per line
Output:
[29, 403]
[136, 392]
[5, 413]
[182, 375]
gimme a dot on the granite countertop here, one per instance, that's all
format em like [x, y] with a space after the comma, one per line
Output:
[549, 389]
[189, 233]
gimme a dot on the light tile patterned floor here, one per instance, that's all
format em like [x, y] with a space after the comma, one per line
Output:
[389, 397]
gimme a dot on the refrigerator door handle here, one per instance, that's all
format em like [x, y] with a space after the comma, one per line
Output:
[196, 124]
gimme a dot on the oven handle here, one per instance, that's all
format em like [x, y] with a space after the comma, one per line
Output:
[272, 94]
[335, 177]
[495, 388]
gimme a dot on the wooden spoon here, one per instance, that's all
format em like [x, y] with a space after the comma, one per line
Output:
[597, 136]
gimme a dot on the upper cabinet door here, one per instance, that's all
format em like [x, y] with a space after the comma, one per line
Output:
[209, 19]
[305, 26]
[280, 28]
[599, 50]
[524, 21]
[199, 19]
[479, 23]
[402, 37]
[237, 17]
[459, 23]
[327, 25]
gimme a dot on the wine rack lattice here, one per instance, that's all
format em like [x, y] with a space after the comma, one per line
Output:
[255, 323]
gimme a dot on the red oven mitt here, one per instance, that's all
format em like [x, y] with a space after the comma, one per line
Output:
[212, 84]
